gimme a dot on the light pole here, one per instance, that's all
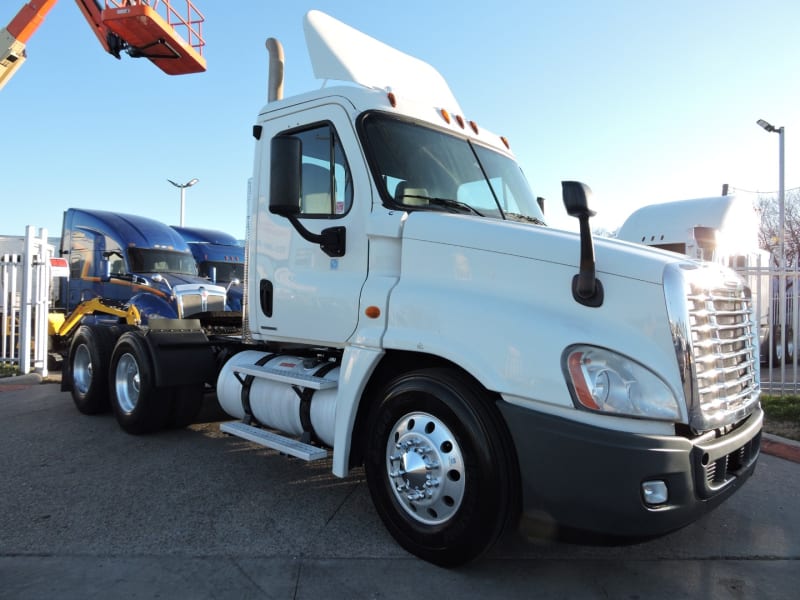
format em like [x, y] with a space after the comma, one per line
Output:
[183, 187]
[781, 227]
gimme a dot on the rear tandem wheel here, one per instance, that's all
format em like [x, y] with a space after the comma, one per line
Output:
[139, 406]
[88, 367]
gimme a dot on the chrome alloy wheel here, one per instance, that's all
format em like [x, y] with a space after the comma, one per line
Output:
[127, 383]
[425, 468]
[82, 369]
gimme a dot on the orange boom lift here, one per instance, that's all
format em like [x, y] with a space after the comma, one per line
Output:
[168, 33]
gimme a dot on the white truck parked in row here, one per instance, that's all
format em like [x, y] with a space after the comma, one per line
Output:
[722, 229]
[407, 309]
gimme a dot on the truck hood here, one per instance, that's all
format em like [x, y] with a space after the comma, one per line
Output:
[176, 278]
[234, 294]
[539, 243]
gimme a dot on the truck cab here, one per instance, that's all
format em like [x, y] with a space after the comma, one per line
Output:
[125, 258]
[722, 229]
[219, 257]
[398, 242]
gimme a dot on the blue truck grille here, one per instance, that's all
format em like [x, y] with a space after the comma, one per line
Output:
[200, 300]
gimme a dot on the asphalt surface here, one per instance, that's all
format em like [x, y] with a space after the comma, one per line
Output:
[87, 511]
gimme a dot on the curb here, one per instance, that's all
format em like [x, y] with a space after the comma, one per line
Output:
[781, 447]
[18, 381]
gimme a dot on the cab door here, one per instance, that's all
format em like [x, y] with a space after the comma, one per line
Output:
[297, 291]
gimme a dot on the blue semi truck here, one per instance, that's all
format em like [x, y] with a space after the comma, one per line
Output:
[126, 272]
[219, 256]
[132, 259]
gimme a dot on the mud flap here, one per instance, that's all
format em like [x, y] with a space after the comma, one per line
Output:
[181, 353]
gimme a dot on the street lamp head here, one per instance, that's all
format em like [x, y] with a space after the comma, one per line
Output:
[182, 187]
[189, 183]
[762, 123]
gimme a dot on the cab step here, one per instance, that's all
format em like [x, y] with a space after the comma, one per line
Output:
[275, 441]
[283, 376]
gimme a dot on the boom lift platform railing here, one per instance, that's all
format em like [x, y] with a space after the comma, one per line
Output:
[155, 29]
[168, 33]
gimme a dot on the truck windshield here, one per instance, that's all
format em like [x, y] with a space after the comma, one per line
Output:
[149, 260]
[423, 168]
[226, 271]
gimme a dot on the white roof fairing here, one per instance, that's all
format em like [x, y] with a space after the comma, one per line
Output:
[340, 52]
[672, 222]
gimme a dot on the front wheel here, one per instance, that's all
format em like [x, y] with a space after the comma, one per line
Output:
[440, 466]
[139, 406]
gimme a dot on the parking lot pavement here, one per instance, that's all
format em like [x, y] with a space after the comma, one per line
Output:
[770, 444]
[87, 511]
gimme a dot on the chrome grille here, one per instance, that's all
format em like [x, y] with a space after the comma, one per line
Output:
[716, 343]
[721, 322]
[193, 299]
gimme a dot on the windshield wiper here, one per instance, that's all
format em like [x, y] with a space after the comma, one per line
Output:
[453, 205]
[524, 218]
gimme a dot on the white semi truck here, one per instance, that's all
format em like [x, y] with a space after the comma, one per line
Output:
[406, 309]
[721, 229]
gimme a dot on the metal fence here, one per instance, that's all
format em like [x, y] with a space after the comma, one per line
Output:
[25, 292]
[24, 304]
[775, 300]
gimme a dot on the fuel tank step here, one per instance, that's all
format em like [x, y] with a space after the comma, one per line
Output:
[284, 376]
[273, 440]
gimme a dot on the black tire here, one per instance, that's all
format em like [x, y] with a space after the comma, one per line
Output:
[444, 426]
[139, 406]
[778, 349]
[186, 403]
[89, 356]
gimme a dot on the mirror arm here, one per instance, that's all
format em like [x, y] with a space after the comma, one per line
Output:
[586, 288]
[332, 240]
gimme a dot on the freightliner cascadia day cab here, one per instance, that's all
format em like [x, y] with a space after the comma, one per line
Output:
[407, 309]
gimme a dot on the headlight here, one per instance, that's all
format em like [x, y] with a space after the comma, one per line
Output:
[603, 381]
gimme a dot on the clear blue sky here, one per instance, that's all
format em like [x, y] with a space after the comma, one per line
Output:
[644, 101]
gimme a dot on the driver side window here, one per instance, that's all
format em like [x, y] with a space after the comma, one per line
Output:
[327, 187]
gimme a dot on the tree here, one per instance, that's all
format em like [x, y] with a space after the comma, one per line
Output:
[768, 232]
